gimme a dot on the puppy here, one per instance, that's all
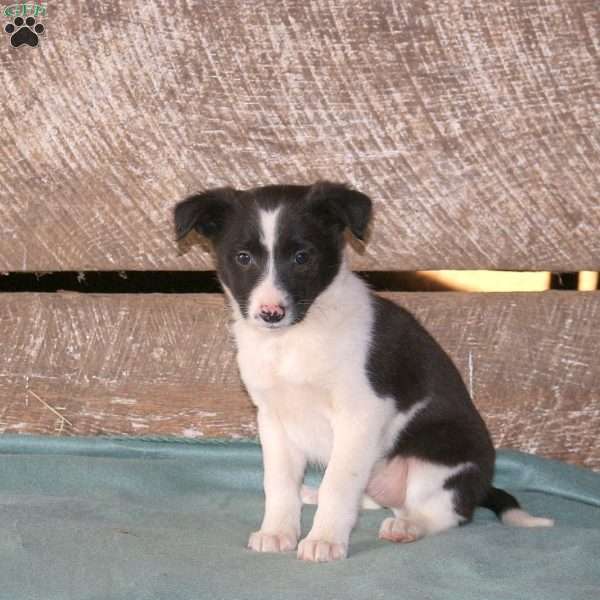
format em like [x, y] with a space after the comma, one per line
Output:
[340, 377]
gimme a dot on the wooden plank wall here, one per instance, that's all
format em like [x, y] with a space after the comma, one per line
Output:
[164, 365]
[474, 126]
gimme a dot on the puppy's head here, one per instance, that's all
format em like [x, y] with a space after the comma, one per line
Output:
[277, 247]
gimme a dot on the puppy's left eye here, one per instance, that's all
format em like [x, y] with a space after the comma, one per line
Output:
[301, 257]
[243, 258]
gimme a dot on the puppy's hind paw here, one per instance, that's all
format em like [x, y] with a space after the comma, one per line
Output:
[401, 531]
[261, 541]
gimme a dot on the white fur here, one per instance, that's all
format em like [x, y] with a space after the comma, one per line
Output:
[519, 518]
[312, 373]
[267, 291]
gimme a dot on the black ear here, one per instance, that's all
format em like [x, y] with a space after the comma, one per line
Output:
[205, 212]
[343, 205]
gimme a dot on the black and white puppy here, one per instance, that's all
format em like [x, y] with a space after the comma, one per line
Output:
[340, 377]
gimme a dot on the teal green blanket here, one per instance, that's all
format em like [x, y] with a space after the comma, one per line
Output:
[105, 519]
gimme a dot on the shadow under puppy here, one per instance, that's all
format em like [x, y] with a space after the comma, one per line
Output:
[340, 377]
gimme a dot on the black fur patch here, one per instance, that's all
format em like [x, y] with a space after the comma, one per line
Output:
[300, 230]
[405, 363]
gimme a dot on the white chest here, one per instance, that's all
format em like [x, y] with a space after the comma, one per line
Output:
[309, 372]
[292, 376]
[268, 360]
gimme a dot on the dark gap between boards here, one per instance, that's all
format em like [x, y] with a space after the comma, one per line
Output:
[194, 282]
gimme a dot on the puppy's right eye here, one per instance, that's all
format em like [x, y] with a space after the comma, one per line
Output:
[243, 258]
[301, 257]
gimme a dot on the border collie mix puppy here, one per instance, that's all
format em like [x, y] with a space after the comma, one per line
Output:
[340, 377]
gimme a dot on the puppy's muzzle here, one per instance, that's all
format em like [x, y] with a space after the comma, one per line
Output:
[272, 313]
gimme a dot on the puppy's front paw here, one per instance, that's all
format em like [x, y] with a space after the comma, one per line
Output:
[321, 550]
[261, 541]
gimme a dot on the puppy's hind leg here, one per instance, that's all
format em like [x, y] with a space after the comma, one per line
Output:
[431, 503]
[433, 516]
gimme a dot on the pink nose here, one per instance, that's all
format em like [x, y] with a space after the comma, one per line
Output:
[272, 313]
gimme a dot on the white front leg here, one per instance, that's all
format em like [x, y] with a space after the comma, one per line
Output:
[284, 467]
[356, 447]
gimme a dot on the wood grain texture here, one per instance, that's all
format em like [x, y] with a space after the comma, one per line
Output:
[165, 365]
[474, 126]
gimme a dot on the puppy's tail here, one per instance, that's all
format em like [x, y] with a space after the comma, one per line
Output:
[509, 511]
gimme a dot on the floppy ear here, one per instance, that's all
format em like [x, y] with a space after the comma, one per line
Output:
[205, 212]
[342, 205]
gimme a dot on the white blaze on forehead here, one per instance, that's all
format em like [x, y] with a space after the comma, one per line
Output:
[268, 230]
[267, 292]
